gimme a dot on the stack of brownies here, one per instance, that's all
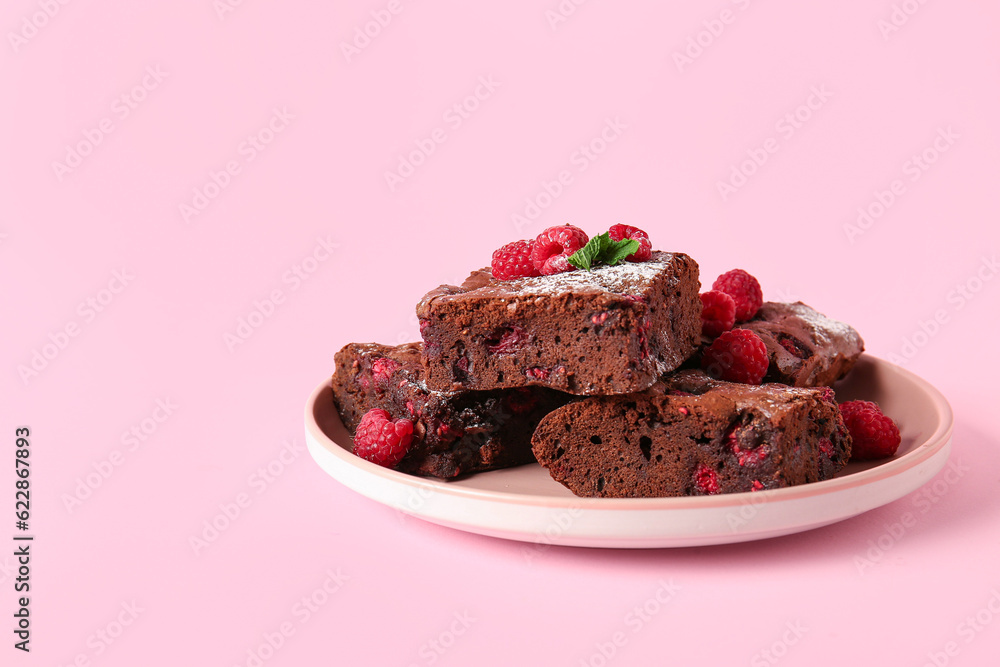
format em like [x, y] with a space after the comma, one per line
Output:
[613, 377]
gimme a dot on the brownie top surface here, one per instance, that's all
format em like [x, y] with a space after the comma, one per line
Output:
[627, 278]
[765, 396]
[798, 318]
[406, 354]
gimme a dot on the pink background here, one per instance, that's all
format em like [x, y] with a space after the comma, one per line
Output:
[199, 82]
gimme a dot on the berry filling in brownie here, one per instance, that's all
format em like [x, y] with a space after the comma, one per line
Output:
[438, 434]
[804, 347]
[608, 330]
[692, 435]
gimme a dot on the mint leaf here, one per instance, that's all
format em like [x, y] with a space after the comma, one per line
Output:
[619, 250]
[589, 254]
[602, 250]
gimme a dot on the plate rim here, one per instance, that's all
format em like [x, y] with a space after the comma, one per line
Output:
[933, 444]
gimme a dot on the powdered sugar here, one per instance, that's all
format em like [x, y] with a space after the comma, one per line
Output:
[824, 331]
[625, 278]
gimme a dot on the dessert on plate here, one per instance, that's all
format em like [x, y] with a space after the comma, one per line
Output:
[451, 433]
[804, 347]
[692, 435]
[611, 330]
[599, 358]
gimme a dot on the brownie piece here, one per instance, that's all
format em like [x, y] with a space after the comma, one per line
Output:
[611, 330]
[454, 433]
[804, 347]
[692, 435]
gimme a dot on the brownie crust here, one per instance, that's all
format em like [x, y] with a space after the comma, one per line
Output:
[454, 433]
[804, 347]
[670, 439]
[612, 330]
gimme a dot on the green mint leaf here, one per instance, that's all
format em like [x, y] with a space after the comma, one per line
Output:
[588, 255]
[602, 250]
[617, 251]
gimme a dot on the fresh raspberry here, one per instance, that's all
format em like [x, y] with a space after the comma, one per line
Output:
[873, 435]
[706, 479]
[718, 313]
[745, 291]
[382, 370]
[645, 251]
[553, 247]
[514, 261]
[381, 440]
[736, 356]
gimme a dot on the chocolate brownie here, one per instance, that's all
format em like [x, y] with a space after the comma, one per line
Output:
[454, 433]
[611, 330]
[804, 347]
[692, 435]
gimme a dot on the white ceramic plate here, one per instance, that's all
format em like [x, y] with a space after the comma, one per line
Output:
[524, 503]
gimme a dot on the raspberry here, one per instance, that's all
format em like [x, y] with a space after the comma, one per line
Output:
[381, 440]
[745, 291]
[645, 251]
[873, 435]
[706, 479]
[514, 261]
[794, 346]
[507, 340]
[382, 370]
[553, 247]
[448, 432]
[826, 447]
[736, 356]
[743, 442]
[538, 373]
[718, 313]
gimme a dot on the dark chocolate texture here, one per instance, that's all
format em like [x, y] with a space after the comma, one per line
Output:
[804, 347]
[612, 330]
[454, 432]
[691, 435]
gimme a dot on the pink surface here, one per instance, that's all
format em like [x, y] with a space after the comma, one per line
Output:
[218, 159]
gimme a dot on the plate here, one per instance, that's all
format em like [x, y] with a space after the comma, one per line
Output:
[525, 504]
